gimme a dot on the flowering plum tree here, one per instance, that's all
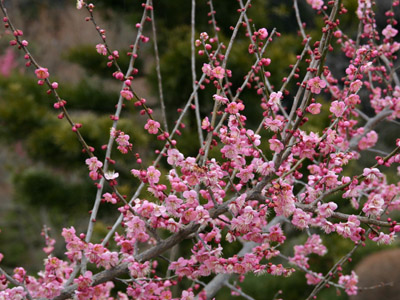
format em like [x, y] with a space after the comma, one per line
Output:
[247, 186]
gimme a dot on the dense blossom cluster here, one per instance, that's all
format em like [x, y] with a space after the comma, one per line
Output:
[262, 183]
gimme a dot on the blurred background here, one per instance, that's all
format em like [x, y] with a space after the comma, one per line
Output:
[43, 177]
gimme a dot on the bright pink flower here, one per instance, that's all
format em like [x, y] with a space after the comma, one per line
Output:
[316, 4]
[207, 69]
[234, 107]
[275, 98]
[300, 218]
[220, 99]
[204, 36]
[42, 73]
[174, 157]
[326, 210]
[127, 94]
[350, 283]
[153, 175]
[263, 33]
[123, 142]
[316, 84]
[351, 71]
[314, 108]
[337, 108]
[218, 72]
[109, 198]
[152, 126]
[350, 229]
[389, 32]
[372, 173]
[274, 124]
[385, 239]
[187, 295]
[355, 86]
[352, 100]
[93, 163]
[374, 206]
[101, 49]
[368, 141]
[205, 123]
[275, 145]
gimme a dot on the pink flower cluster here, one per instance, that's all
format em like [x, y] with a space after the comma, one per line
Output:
[94, 165]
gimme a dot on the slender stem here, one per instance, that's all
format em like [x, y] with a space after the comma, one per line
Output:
[158, 68]
[194, 76]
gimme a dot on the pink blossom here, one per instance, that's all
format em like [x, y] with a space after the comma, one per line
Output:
[174, 156]
[326, 210]
[314, 108]
[383, 238]
[300, 218]
[274, 124]
[101, 49]
[220, 99]
[275, 98]
[374, 206]
[316, 84]
[264, 168]
[246, 174]
[352, 100]
[42, 73]
[109, 198]
[205, 124]
[153, 175]
[234, 107]
[123, 142]
[152, 126]
[389, 32]
[275, 145]
[93, 163]
[263, 33]
[187, 295]
[204, 36]
[350, 229]
[350, 283]
[337, 108]
[316, 4]
[368, 141]
[127, 94]
[355, 86]
[351, 71]
[218, 72]
[372, 173]
[207, 69]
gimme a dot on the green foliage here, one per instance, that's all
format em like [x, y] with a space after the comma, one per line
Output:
[96, 64]
[40, 188]
[20, 110]
[89, 95]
